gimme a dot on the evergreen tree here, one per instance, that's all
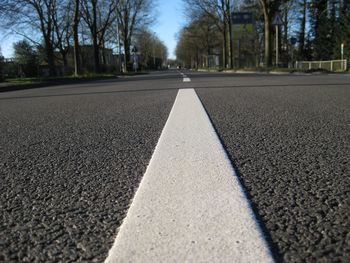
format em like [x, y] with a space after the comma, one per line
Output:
[1, 66]
[26, 57]
[342, 31]
[321, 30]
[302, 31]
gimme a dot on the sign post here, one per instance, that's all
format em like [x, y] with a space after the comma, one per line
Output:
[135, 59]
[277, 21]
[242, 33]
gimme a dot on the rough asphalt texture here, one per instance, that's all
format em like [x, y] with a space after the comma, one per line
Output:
[291, 146]
[69, 167]
[71, 158]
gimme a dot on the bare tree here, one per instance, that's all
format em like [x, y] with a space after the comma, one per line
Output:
[197, 41]
[290, 18]
[99, 15]
[62, 21]
[303, 7]
[35, 14]
[220, 13]
[269, 8]
[152, 49]
[186, 48]
[131, 14]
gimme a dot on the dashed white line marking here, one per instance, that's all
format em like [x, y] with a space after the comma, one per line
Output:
[185, 78]
[190, 206]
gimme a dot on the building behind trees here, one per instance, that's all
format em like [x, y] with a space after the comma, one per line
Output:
[78, 36]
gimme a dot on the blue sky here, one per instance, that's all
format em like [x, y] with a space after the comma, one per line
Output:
[6, 42]
[170, 19]
[169, 22]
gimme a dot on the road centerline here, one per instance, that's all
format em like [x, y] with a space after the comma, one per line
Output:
[190, 205]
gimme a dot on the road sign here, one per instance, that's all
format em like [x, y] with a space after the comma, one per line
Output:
[277, 21]
[243, 25]
[242, 18]
[243, 31]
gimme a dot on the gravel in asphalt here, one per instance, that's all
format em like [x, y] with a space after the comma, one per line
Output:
[72, 158]
[69, 167]
[291, 147]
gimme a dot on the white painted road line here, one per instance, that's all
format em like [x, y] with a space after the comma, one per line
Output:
[190, 206]
[185, 78]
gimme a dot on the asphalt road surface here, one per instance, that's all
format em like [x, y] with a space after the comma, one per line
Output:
[72, 158]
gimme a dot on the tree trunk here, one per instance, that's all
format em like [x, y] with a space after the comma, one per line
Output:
[104, 59]
[266, 7]
[65, 62]
[229, 22]
[96, 55]
[302, 31]
[94, 39]
[76, 39]
[126, 54]
[231, 46]
[50, 57]
[285, 35]
[46, 30]
[225, 45]
[126, 41]
[267, 37]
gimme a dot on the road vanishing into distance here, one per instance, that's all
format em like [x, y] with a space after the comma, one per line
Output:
[73, 156]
